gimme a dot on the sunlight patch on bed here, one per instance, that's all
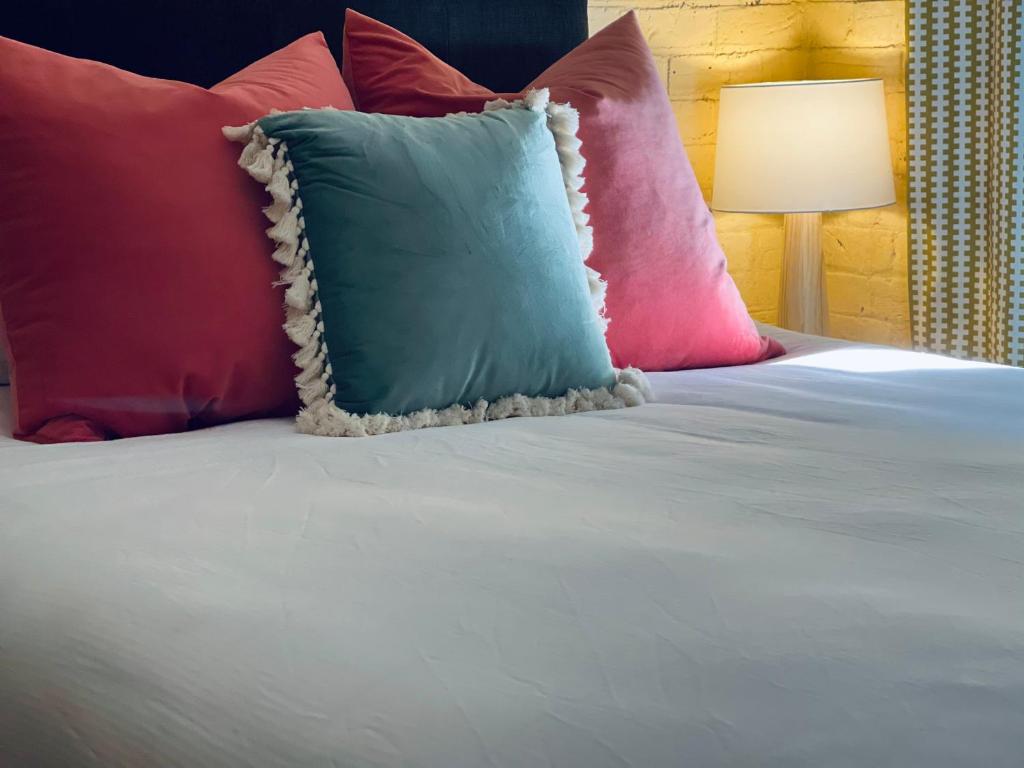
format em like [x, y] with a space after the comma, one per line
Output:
[880, 360]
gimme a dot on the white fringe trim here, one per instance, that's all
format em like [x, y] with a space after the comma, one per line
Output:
[326, 418]
[266, 160]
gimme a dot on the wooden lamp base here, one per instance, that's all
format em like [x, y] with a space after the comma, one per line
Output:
[803, 299]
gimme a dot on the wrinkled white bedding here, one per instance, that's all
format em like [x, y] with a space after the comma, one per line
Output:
[813, 562]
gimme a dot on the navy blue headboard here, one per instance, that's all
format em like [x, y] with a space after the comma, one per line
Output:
[502, 44]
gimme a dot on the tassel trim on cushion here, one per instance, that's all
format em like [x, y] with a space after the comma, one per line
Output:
[266, 160]
[326, 418]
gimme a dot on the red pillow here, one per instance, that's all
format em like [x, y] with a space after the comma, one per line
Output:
[670, 299]
[135, 287]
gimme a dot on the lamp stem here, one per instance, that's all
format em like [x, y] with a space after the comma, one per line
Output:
[803, 299]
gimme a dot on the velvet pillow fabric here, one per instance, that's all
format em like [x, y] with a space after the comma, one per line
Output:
[135, 287]
[435, 267]
[671, 302]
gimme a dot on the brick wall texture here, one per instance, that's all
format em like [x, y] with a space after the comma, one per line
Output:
[702, 45]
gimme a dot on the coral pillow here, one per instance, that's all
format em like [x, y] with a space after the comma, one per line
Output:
[135, 286]
[670, 299]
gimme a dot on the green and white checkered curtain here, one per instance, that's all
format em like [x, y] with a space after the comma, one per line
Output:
[966, 110]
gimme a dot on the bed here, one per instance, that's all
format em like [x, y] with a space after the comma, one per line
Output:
[814, 561]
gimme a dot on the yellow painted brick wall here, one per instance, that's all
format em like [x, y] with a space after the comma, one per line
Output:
[702, 45]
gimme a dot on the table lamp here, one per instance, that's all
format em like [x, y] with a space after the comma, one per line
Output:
[803, 148]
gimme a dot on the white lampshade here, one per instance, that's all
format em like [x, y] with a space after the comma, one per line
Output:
[814, 145]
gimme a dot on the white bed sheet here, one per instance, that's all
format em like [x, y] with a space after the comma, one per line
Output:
[813, 562]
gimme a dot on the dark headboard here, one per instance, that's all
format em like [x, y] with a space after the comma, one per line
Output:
[502, 44]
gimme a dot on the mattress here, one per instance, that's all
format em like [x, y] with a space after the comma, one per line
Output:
[817, 561]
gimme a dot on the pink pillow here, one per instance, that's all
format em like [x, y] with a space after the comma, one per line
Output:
[670, 299]
[135, 289]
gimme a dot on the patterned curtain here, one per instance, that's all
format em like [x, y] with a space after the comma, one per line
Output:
[966, 197]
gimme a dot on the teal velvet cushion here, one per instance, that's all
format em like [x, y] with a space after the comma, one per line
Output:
[435, 267]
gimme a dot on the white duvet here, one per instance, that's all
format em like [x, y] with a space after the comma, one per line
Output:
[813, 562]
